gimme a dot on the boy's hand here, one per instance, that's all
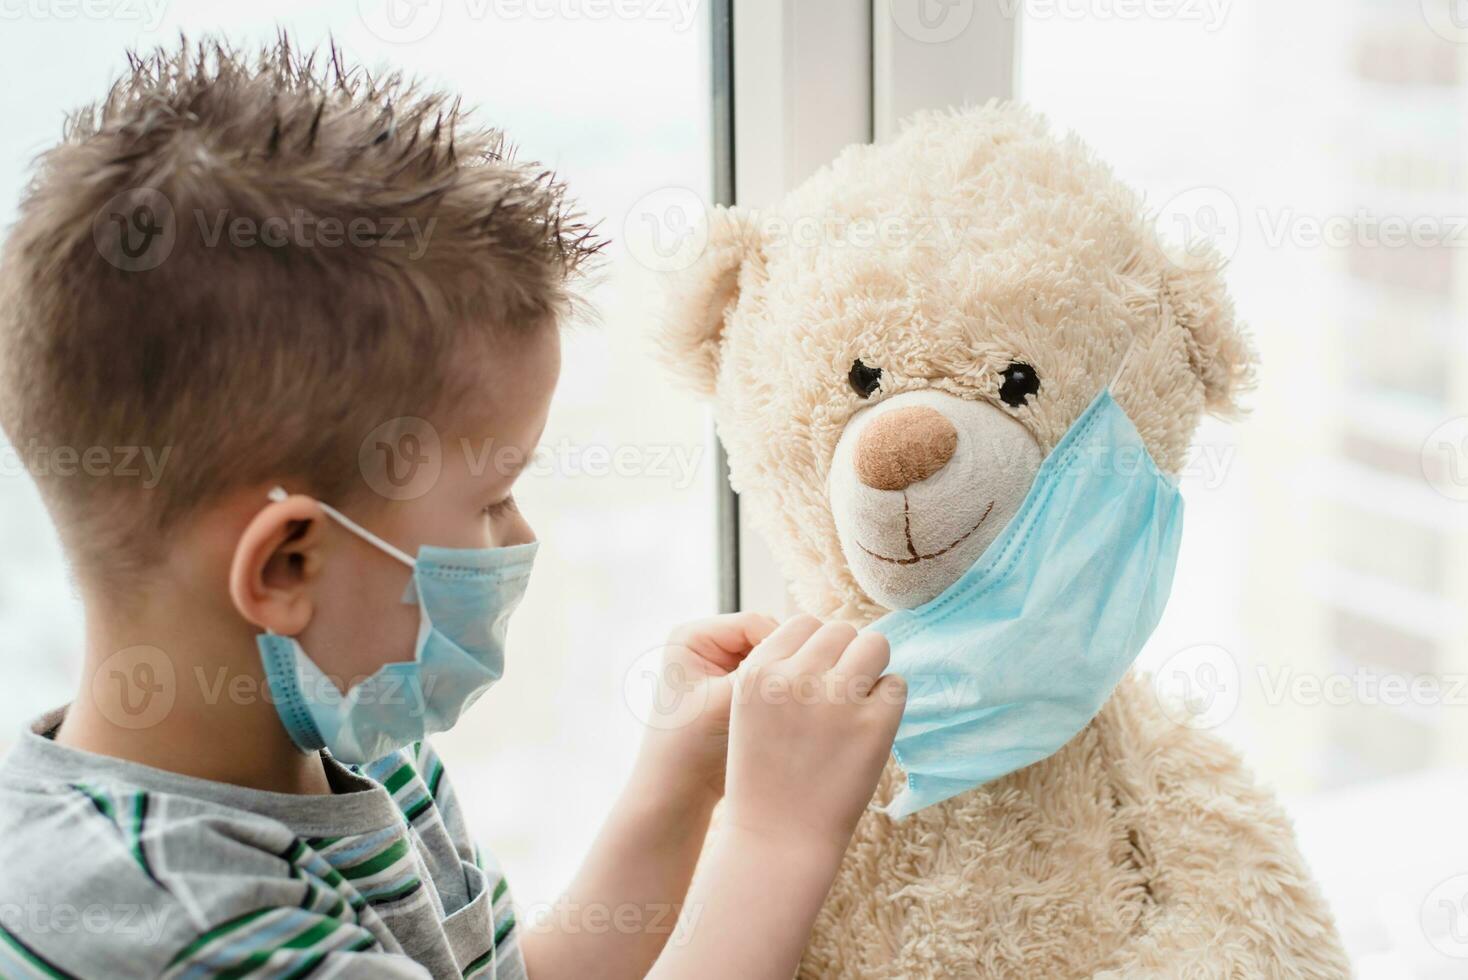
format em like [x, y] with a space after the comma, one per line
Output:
[810, 730]
[813, 722]
[688, 733]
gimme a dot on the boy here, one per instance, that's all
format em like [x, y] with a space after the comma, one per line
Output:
[212, 803]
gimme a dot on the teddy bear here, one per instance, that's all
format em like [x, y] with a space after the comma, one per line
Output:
[891, 352]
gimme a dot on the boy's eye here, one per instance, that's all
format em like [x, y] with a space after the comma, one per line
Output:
[1020, 382]
[864, 380]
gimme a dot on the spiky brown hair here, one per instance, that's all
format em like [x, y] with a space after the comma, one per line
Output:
[248, 262]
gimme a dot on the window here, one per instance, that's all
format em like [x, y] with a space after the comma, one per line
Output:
[1322, 148]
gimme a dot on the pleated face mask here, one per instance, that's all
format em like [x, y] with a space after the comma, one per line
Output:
[1011, 661]
[465, 597]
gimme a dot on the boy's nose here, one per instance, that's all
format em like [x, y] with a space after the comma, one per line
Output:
[903, 446]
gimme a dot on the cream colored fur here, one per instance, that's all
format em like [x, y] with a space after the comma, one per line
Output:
[975, 240]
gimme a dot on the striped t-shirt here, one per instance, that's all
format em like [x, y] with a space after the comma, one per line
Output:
[113, 869]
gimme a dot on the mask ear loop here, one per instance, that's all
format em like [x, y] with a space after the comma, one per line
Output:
[278, 494]
[1126, 358]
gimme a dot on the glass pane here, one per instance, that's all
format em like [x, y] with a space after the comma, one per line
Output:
[622, 495]
[1321, 146]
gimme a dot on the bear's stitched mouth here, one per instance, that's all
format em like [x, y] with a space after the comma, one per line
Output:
[913, 557]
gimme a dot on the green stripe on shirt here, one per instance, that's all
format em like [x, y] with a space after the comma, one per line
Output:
[383, 860]
[99, 799]
[398, 779]
[480, 963]
[304, 939]
[139, 822]
[128, 816]
[31, 958]
[223, 929]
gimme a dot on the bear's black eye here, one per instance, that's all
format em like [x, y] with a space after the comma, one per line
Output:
[1020, 382]
[864, 380]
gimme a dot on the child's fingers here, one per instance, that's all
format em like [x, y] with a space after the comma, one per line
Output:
[863, 662]
[746, 630]
[890, 693]
[823, 650]
[723, 640]
[784, 641]
[735, 633]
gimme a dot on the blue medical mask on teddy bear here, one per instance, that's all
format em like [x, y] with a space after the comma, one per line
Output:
[1011, 661]
[465, 598]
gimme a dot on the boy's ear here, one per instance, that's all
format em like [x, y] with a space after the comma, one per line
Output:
[699, 298]
[275, 560]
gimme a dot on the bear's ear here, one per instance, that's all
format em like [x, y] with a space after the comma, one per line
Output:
[699, 297]
[1192, 291]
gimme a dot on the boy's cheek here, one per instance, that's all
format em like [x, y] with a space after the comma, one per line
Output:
[354, 631]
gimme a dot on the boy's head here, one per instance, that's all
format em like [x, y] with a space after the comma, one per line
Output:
[249, 270]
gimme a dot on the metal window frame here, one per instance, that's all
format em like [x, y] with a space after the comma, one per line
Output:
[794, 81]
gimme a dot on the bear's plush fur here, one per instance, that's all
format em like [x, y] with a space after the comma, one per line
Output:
[973, 242]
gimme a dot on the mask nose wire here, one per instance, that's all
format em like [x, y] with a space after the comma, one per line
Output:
[278, 494]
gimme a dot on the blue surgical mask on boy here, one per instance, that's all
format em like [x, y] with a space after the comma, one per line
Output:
[465, 598]
[1008, 663]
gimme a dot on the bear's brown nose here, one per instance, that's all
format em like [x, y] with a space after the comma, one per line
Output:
[903, 446]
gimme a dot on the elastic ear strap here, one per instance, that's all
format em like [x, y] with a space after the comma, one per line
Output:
[278, 494]
[1125, 360]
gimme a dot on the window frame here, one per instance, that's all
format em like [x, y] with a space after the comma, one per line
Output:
[792, 84]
